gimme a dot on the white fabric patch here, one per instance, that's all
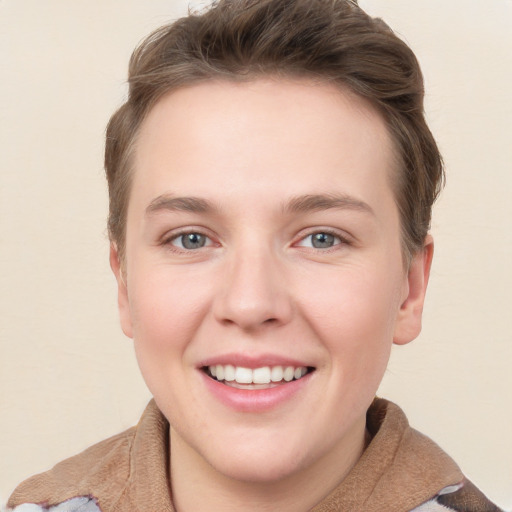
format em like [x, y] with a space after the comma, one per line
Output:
[450, 489]
[83, 504]
[431, 506]
[26, 507]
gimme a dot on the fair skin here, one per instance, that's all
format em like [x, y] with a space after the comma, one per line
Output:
[262, 233]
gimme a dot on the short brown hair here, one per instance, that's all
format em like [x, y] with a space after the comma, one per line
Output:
[328, 40]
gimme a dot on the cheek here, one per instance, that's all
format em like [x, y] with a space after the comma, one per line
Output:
[353, 310]
[165, 313]
[165, 305]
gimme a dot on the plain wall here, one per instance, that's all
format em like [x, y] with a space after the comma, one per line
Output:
[68, 377]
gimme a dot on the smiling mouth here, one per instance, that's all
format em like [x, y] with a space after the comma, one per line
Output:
[256, 378]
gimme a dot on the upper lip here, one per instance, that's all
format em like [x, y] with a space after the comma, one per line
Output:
[252, 361]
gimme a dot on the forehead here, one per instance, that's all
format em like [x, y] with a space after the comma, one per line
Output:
[216, 137]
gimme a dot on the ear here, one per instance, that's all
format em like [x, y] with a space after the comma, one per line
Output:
[408, 325]
[122, 291]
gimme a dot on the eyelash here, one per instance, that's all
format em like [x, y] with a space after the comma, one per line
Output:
[168, 241]
[339, 240]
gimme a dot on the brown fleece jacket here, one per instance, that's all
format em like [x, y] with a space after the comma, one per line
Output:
[400, 471]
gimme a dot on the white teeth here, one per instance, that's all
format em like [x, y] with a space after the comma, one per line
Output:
[243, 375]
[276, 374]
[229, 373]
[262, 375]
[288, 373]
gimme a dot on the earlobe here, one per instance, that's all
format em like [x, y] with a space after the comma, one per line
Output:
[408, 324]
[122, 291]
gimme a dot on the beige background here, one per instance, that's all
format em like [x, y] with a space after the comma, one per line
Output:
[68, 377]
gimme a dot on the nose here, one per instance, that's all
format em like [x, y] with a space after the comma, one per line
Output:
[253, 292]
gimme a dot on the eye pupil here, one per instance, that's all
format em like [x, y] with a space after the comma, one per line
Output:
[193, 240]
[322, 240]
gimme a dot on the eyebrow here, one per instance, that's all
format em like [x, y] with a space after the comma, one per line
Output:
[296, 205]
[319, 202]
[171, 203]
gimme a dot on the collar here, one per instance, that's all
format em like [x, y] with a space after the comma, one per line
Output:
[399, 470]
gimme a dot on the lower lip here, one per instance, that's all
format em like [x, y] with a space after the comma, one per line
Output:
[254, 400]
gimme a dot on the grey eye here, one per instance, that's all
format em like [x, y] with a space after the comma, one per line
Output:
[191, 241]
[323, 240]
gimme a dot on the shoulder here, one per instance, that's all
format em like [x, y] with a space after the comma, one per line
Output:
[126, 472]
[419, 476]
[105, 463]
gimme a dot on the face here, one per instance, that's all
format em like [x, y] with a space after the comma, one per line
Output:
[264, 283]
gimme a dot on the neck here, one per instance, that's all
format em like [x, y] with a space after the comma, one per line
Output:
[198, 486]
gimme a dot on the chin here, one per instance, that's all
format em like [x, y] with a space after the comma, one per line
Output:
[259, 470]
[260, 457]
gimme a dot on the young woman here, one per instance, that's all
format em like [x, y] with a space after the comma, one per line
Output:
[271, 178]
